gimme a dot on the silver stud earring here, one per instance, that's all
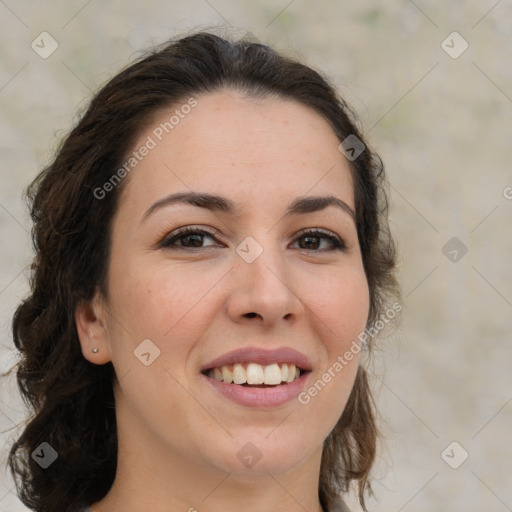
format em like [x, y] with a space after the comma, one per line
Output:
[95, 350]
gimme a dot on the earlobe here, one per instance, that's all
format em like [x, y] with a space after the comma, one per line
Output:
[92, 331]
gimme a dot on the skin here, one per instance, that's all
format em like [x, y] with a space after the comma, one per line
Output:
[179, 438]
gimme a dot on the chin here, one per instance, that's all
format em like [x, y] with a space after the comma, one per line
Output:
[257, 455]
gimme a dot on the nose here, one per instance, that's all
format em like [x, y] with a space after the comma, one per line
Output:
[264, 290]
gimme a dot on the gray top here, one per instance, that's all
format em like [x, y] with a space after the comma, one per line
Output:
[340, 506]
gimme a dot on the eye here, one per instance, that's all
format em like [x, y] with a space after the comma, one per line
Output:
[190, 238]
[311, 236]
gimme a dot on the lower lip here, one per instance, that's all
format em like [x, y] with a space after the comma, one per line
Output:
[260, 397]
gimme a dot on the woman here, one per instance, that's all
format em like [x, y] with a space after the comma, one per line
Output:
[212, 251]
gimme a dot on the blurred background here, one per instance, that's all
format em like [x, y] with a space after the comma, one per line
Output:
[433, 89]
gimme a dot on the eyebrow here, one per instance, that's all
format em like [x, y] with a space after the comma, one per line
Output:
[212, 202]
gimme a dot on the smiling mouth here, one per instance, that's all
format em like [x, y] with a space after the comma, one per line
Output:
[256, 375]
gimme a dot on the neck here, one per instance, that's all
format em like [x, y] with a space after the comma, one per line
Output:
[150, 476]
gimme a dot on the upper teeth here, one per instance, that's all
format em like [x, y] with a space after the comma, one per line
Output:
[271, 374]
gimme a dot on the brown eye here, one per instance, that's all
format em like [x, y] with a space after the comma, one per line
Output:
[192, 238]
[189, 238]
[313, 240]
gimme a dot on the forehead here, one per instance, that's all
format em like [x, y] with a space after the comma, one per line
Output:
[254, 149]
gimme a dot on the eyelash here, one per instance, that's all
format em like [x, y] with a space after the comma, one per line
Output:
[168, 241]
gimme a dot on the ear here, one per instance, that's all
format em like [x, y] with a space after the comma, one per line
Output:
[91, 326]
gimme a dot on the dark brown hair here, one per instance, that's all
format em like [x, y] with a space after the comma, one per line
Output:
[71, 400]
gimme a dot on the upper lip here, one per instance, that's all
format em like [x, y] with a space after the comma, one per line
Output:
[260, 356]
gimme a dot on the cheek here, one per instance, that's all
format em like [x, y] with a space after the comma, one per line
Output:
[342, 303]
[342, 308]
[163, 302]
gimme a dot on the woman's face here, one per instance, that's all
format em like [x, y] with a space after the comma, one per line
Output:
[252, 280]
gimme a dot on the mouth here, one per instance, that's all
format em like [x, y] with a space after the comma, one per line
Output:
[258, 377]
[255, 375]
